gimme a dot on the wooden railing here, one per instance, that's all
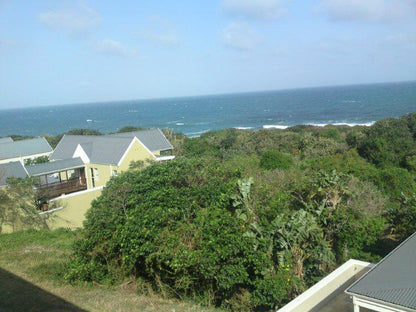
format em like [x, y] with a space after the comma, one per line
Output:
[58, 189]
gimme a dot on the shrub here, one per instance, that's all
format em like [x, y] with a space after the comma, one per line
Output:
[174, 225]
[275, 160]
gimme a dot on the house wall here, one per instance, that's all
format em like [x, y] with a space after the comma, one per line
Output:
[23, 158]
[104, 174]
[136, 152]
[71, 208]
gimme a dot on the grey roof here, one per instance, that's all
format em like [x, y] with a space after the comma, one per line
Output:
[55, 166]
[67, 145]
[24, 148]
[99, 149]
[11, 169]
[6, 140]
[153, 139]
[393, 279]
[108, 149]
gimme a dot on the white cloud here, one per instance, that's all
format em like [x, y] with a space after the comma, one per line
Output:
[76, 19]
[113, 48]
[256, 9]
[368, 10]
[160, 31]
[240, 36]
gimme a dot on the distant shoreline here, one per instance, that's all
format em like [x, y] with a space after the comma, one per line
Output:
[192, 116]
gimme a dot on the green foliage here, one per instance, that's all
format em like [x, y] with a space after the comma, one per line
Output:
[129, 129]
[347, 226]
[275, 160]
[53, 140]
[300, 244]
[84, 132]
[18, 206]
[404, 216]
[318, 146]
[331, 133]
[139, 164]
[16, 137]
[37, 160]
[212, 227]
[388, 142]
[175, 225]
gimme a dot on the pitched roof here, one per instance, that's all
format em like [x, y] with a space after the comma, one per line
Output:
[99, 149]
[24, 148]
[393, 279]
[54, 166]
[153, 139]
[11, 169]
[106, 150]
[67, 145]
[6, 140]
[109, 149]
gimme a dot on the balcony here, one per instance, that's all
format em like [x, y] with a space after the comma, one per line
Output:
[65, 187]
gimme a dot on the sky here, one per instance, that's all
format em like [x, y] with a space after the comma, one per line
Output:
[64, 52]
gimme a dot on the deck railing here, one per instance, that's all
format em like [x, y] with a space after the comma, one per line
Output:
[60, 188]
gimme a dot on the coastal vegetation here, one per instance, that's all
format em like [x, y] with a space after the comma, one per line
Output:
[32, 267]
[246, 220]
[19, 206]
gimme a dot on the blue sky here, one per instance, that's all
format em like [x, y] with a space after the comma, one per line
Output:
[63, 52]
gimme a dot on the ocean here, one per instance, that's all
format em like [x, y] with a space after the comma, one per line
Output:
[352, 105]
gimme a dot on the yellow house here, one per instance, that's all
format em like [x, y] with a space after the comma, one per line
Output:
[108, 155]
[81, 166]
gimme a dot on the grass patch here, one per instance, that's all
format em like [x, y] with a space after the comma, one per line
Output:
[32, 264]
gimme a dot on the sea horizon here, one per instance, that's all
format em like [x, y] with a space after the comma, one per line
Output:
[211, 94]
[358, 104]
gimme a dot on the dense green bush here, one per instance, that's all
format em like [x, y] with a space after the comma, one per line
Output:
[199, 228]
[388, 142]
[275, 160]
[176, 226]
[403, 217]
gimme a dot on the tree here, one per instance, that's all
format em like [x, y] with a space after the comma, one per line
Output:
[403, 217]
[37, 160]
[348, 227]
[18, 206]
[84, 132]
[129, 129]
[388, 142]
[174, 225]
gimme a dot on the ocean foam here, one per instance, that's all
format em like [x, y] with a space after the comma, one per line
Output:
[366, 124]
[275, 127]
[180, 124]
[243, 128]
[196, 134]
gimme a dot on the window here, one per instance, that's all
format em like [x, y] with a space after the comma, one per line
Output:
[53, 178]
[43, 180]
[71, 174]
[96, 174]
